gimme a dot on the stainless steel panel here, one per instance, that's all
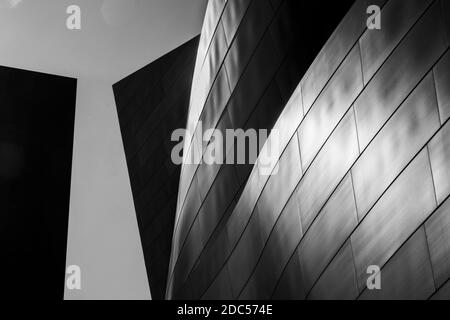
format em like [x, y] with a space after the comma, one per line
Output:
[408, 275]
[188, 172]
[404, 135]
[216, 54]
[400, 74]
[289, 119]
[187, 257]
[245, 255]
[330, 107]
[253, 83]
[437, 230]
[219, 198]
[232, 15]
[328, 232]
[443, 293]
[279, 248]
[440, 162]
[187, 216]
[442, 78]
[220, 289]
[210, 263]
[267, 110]
[212, 16]
[248, 35]
[335, 50]
[224, 124]
[254, 290]
[215, 104]
[404, 206]
[338, 282]
[184, 292]
[244, 208]
[279, 188]
[206, 174]
[290, 285]
[398, 16]
[330, 166]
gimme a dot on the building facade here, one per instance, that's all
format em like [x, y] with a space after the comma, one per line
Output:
[151, 104]
[37, 113]
[364, 155]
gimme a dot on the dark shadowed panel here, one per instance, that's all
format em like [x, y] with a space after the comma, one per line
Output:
[36, 138]
[291, 284]
[151, 104]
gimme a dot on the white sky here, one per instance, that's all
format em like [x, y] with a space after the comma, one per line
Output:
[116, 38]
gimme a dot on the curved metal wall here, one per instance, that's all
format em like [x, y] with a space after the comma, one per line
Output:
[364, 167]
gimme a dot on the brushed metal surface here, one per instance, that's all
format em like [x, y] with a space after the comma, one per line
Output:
[220, 289]
[335, 50]
[216, 102]
[440, 162]
[279, 248]
[443, 293]
[188, 255]
[245, 255]
[330, 107]
[408, 275]
[400, 74]
[279, 187]
[339, 279]
[216, 53]
[232, 16]
[213, 13]
[290, 285]
[244, 208]
[219, 198]
[253, 83]
[267, 110]
[402, 209]
[190, 209]
[438, 234]
[403, 136]
[330, 166]
[257, 269]
[247, 37]
[329, 231]
[205, 176]
[398, 16]
[210, 263]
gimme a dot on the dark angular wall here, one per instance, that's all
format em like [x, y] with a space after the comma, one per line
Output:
[151, 103]
[252, 55]
[364, 161]
[36, 138]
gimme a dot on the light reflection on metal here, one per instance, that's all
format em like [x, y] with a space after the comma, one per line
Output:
[358, 170]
